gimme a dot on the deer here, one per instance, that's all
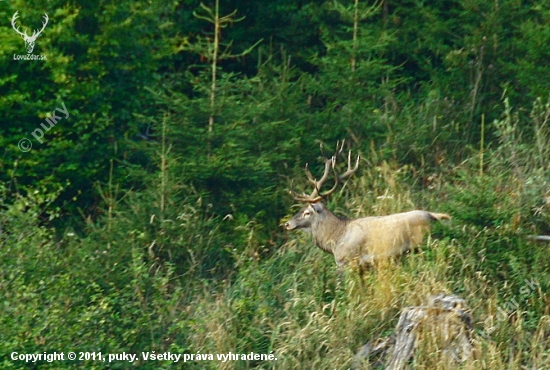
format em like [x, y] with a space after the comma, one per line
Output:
[29, 40]
[365, 240]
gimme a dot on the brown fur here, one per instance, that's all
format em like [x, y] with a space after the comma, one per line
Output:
[366, 239]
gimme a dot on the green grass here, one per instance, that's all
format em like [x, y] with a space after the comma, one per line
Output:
[191, 283]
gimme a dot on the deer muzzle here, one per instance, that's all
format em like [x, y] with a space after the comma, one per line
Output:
[290, 225]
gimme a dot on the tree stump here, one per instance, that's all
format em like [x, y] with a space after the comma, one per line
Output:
[444, 321]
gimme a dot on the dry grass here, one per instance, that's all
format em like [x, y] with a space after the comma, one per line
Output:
[296, 305]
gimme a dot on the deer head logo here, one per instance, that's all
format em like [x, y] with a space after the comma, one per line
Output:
[29, 40]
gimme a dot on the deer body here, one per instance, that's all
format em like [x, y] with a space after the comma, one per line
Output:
[366, 239]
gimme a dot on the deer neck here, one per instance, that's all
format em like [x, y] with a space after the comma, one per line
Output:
[328, 231]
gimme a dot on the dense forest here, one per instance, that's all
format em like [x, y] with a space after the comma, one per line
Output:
[148, 148]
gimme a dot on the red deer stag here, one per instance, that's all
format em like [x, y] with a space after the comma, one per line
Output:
[366, 239]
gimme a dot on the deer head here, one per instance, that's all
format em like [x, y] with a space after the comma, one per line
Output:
[315, 213]
[29, 40]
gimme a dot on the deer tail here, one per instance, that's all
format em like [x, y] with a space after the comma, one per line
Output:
[439, 216]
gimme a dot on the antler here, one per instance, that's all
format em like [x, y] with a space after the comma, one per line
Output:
[24, 34]
[316, 195]
[35, 34]
[16, 28]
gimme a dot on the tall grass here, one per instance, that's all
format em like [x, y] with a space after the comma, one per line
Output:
[312, 318]
[160, 273]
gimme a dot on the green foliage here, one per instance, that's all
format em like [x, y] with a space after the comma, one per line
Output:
[148, 220]
[100, 58]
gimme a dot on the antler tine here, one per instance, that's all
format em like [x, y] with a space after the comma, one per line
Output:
[309, 175]
[296, 195]
[338, 178]
[339, 151]
[44, 23]
[15, 27]
[36, 32]
[350, 171]
[317, 184]
[330, 163]
[323, 150]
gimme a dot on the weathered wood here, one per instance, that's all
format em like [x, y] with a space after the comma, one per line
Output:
[444, 317]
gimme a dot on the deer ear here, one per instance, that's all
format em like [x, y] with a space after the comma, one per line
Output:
[317, 207]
